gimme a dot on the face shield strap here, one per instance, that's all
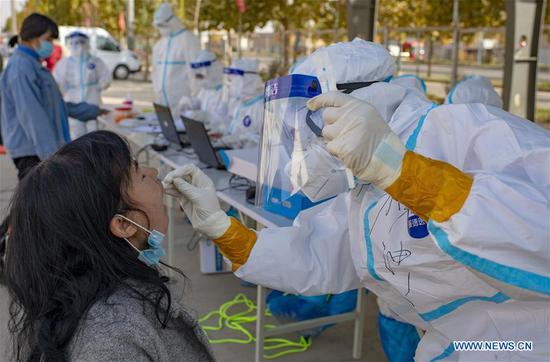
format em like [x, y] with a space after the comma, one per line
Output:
[236, 71]
[76, 34]
[198, 65]
[345, 88]
[350, 87]
[165, 22]
[318, 131]
[169, 18]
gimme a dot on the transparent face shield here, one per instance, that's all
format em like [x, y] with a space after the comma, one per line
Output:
[232, 83]
[199, 76]
[295, 168]
[78, 45]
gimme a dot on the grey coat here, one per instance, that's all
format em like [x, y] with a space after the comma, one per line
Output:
[123, 328]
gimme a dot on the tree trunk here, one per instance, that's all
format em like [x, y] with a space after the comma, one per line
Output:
[430, 56]
[229, 48]
[147, 58]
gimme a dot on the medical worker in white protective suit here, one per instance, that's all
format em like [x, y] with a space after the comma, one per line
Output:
[365, 63]
[410, 81]
[448, 226]
[243, 92]
[206, 89]
[172, 54]
[474, 89]
[81, 78]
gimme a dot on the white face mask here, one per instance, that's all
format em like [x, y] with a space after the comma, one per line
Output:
[318, 174]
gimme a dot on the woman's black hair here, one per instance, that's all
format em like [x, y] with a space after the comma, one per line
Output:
[36, 25]
[12, 42]
[61, 257]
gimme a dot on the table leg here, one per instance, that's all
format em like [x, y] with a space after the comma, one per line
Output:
[360, 311]
[260, 324]
[242, 217]
[171, 229]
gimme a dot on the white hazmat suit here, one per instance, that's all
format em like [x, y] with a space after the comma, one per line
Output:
[206, 84]
[365, 62]
[81, 78]
[172, 54]
[410, 81]
[243, 90]
[471, 264]
[474, 89]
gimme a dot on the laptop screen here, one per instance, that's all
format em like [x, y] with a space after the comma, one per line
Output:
[201, 142]
[167, 123]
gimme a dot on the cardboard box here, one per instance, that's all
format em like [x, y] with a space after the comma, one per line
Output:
[212, 261]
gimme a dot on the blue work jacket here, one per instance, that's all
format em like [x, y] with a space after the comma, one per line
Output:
[34, 115]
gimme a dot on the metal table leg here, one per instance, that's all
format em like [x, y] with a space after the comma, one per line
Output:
[260, 324]
[171, 229]
[360, 311]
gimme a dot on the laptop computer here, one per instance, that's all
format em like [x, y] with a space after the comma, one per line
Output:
[168, 127]
[200, 141]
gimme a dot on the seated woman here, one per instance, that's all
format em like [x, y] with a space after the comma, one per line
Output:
[82, 262]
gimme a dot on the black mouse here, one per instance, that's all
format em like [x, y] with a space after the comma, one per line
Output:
[159, 148]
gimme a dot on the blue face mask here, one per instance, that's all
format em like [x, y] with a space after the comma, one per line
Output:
[150, 256]
[45, 50]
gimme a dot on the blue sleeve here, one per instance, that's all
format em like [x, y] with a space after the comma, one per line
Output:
[83, 111]
[32, 116]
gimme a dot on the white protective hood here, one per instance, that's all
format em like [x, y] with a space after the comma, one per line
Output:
[166, 21]
[246, 86]
[206, 72]
[348, 62]
[474, 89]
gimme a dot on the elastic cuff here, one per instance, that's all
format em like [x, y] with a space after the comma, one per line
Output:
[434, 190]
[236, 243]
[215, 225]
[385, 165]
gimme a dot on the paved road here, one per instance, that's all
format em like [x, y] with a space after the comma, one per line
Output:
[441, 90]
[444, 70]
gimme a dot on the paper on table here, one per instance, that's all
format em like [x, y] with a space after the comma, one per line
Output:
[150, 117]
[147, 129]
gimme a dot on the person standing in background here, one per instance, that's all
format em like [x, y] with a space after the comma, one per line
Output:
[81, 78]
[172, 54]
[243, 92]
[206, 104]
